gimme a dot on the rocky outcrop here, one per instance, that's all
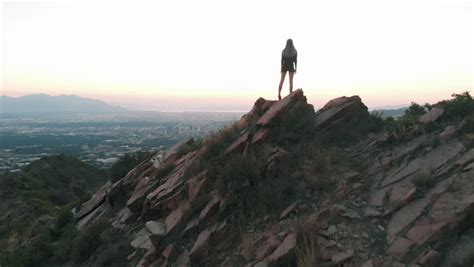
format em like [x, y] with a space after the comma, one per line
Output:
[341, 111]
[97, 199]
[386, 205]
[434, 114]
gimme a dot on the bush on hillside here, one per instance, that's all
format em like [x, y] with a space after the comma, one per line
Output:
[86, 243]
[403, 128]
[115, 249]
[415, 110]
[127, 163]
[460, 106]
[218, 141]
[214, 146]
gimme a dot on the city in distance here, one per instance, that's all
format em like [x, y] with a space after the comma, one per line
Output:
[40, 125]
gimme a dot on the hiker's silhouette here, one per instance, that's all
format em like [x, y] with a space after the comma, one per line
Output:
[288, 64]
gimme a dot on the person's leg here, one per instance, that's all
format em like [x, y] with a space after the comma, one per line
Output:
[282, 79]
[291, 81]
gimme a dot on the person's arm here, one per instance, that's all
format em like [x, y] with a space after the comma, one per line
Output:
[281, 60]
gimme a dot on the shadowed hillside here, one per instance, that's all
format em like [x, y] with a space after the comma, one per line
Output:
[35, 206]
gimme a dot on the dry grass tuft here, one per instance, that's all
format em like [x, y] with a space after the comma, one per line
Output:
[218, 141]
[248, 248]
[306, 255]
[306, 243]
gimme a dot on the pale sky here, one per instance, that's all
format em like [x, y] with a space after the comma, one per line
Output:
[182, 55]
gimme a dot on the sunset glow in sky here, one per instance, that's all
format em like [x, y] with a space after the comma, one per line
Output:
[178, 55]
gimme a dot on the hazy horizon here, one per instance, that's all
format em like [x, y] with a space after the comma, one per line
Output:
[177, 56]
[215, 108]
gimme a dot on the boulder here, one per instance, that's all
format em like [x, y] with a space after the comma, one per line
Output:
[409, 213]
[142, 240]
[341, 110]
[93, 216]
[371, 213]
[401, 193]
[196, 185]
[260, 136]
[125, 215]
[171, 188]
[289, 210]
[448, 133]
[425, 231]
[238, 145]
[323, 242]
[453, 206]
[400, 249]
[142, 189]
[430, 258]
[432, 115]
[342, 256]
[176, 151]
[175, 218]
[182, 260]
[210, 209]
[157, 231]
[466, 158]
[220, 235]
[268, 247]
[469, 167]
[169, 252]
[280, 107]
[97, 199]
[201, 244]
[282, 253]
[346, 212]
[259, 108]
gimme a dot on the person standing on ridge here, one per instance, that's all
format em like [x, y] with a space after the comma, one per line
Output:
[288, 64]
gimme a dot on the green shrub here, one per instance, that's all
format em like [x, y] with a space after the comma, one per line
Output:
[237, 171]
[275, 193]
[62, 251]
[64, 217]
[424, 181]
[462, 252]
[85, 244]
[214, 146]
[468, 125]
[460, 106]
[59, 197]
[255, 191]
[116, 250]
[374, 123]
[39, 251]
[415, 110]
[216, 143]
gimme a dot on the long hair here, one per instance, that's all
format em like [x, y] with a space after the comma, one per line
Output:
[289, 50]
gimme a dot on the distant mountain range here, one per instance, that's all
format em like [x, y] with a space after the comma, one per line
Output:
[392, 112]
[43, 103]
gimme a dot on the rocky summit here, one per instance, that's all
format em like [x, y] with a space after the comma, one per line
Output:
[277, 189]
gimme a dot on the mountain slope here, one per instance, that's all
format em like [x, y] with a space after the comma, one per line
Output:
[43, 103]
[287, 186]
[38, 200]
